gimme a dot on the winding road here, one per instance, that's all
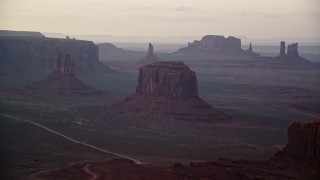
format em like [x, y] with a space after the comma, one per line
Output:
[75, 141]
[87, 170]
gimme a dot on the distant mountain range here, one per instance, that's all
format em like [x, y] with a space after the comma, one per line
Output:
[182, 39]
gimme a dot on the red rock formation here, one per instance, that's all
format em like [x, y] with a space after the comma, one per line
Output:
[304, 140]
[62, 82]
[149, 58]
[172, 79]
[169, 88]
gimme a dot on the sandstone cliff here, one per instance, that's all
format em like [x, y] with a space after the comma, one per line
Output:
[23, 54]
[169, 88]
[172, 79]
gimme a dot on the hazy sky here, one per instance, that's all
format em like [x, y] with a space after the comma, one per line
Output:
[252, 18]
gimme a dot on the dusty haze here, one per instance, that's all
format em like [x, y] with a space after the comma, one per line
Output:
[256, 19]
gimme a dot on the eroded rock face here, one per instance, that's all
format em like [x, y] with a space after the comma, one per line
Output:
[65, 65]
[172, 79]
[169, 88]
[214, 44]
[149, 58]
[304, 140]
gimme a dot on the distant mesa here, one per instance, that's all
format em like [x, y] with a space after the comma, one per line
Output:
[170, 88]
[62, 82]
[21, 54]
[169, 79]
[216, 44]
[20, 33]
[149, 58]
[108, 47]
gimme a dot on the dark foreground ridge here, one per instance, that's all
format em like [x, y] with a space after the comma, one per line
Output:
[299, 160]
[169, 88]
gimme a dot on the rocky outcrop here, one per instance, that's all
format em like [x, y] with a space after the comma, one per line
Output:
[214, 44]
[149, 58]
[170, 89]
[24, 54]
[304, 140]
[171, 79]
[62, 82]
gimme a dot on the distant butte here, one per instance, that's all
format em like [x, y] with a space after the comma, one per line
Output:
[170, 88]
[62, 82]
[292, 53]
